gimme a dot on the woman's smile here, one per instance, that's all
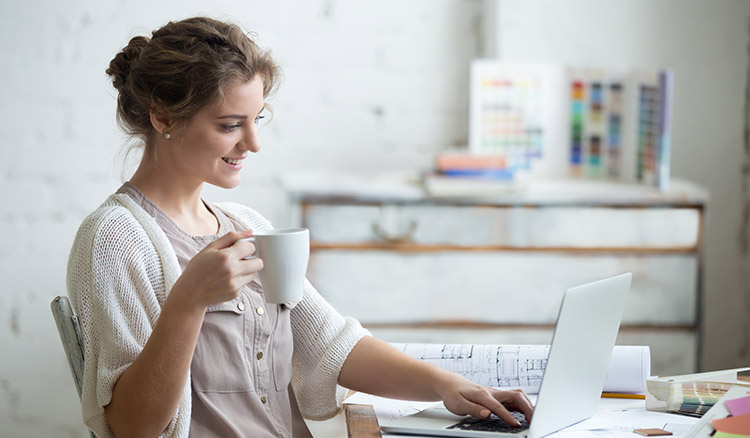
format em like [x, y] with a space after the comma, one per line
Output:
[234, 163]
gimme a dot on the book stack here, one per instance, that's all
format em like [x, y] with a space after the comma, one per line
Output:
[691, 394]
[460, 173]
[466, 165]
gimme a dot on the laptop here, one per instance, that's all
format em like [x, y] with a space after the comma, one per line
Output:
[577, 364]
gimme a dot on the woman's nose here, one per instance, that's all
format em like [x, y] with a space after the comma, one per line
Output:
[250, 141]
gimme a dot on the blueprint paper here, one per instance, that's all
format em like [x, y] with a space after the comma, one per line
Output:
[522, 366]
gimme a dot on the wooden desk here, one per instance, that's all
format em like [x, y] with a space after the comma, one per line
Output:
[632, 412]
[361, 422]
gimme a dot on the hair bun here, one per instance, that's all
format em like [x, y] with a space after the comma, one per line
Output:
[182, 68]
[120, 65]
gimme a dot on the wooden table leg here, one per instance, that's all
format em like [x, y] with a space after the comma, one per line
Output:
[361, 422]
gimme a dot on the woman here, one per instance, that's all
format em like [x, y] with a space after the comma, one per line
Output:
[178, 339]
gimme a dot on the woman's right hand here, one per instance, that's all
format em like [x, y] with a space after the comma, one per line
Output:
[219, 271]
[146, 396]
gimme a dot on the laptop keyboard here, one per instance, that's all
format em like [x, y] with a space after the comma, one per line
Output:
[492, 424]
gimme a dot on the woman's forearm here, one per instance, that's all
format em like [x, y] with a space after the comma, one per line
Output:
[376, 368]
[146, 396]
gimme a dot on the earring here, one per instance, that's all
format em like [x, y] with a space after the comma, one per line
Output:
[167, 135]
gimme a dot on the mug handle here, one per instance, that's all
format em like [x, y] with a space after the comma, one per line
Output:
[255, 254]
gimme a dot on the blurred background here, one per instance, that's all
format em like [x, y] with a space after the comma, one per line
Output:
[373, 92]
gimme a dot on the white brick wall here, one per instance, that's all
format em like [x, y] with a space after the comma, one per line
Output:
[368, 85]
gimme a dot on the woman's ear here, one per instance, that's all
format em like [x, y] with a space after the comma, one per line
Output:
[161, 124]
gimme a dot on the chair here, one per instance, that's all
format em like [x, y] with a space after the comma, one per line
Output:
[70, 335]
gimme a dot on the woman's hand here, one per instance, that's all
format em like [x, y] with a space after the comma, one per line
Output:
[219, 271]
[463, 397]
[146, 396]
[374, 367]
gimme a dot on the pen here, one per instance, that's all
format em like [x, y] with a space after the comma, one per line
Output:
[623, 395]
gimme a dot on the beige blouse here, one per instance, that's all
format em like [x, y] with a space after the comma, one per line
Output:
[242, 364]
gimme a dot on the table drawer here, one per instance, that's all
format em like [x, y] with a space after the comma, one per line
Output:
[497, 287]
[522, 227]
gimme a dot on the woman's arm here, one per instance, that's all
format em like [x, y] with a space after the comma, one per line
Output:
[376, 368]
[146, 396]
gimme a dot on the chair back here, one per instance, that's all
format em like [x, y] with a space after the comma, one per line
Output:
[70, 335]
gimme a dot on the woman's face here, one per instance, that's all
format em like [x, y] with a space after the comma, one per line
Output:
[212, 146]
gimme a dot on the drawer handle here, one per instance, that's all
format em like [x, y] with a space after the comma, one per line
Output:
[398, 239]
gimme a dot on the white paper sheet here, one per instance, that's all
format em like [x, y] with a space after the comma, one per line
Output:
[618, 418]
[387, 408]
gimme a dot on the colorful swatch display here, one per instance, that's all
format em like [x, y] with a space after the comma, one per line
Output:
[619, 125]
[647, 131]
[577, 103]
[596, 115]
[614, 129]
[551, 121]
[699, 397]
[508, 110]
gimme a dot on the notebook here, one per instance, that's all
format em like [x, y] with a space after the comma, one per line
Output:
[582, 344]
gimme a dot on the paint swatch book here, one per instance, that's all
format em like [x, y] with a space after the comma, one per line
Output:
[620, 125]
[692, 394]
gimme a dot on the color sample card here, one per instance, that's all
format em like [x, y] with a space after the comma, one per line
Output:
[596, 116]
[614, 129]
[508, 111]
[720, 434]
[577, 104]
[648, 132]
[738, 425]
[739, 406]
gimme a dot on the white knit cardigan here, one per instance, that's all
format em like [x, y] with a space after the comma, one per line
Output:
[120, 271]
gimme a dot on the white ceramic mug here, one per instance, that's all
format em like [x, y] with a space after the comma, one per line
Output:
[285, 253]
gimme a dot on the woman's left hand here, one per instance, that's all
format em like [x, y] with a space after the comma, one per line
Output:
[463, 397]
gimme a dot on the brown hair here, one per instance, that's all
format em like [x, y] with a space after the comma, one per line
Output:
[183, 68]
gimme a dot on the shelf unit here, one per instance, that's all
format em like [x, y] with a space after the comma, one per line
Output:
[415, 267]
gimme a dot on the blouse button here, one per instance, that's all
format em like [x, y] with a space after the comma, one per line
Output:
[241, 306]
[260, 310]
[263, 399]
[259, 355]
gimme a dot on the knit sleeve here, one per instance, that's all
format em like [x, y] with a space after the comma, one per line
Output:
[323, 340]
[113, 274]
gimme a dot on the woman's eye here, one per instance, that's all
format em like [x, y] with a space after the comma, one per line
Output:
[232, 127]
[258, 119]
